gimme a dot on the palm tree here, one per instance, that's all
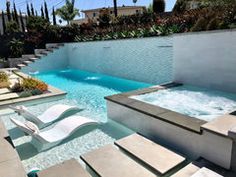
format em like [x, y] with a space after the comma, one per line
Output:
[115, 8]
[67, 12]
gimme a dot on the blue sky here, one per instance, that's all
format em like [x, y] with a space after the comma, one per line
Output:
[81, 4]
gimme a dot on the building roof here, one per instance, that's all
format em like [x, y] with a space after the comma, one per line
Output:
[111, 8]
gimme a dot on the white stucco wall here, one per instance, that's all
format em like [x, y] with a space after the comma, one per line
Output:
[147, 60]
[206, 59]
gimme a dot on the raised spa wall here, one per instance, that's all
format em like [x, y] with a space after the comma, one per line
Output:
[192, 137]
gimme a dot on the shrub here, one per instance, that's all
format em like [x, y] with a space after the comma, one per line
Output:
[200, 25]
[16, 47]
[213, 24]
[4, 80]
[32, 84]
[3, 77]
[25, 94]
[12, 27]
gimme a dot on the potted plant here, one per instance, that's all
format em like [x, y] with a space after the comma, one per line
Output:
[16, 49]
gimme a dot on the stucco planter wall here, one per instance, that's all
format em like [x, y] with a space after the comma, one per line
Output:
[13, 62]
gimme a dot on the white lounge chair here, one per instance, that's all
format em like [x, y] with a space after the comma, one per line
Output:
[51, 137]
[49, 116]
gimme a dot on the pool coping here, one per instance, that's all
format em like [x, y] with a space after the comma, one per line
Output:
[186, 122]
[53, 94]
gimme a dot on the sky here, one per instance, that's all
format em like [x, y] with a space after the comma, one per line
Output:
[80, 4]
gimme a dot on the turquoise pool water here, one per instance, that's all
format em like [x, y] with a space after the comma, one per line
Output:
[193, 101]
[86, 90]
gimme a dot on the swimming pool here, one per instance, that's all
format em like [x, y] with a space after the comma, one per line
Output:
[86, 90]
[193, 101]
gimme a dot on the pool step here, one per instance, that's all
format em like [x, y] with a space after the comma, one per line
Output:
[69, 168]
[154, 156]
[109, 161]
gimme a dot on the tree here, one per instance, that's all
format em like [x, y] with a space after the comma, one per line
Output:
[180, 6]
[3, 22]
[16, 14]
[8, 5]
[42, 12]
[54, 16]
[46, 11]
[28, 11]
[32, 9]
[115, 8]
[159, 6]
[67, 12]
[22, 22]
[135, 1]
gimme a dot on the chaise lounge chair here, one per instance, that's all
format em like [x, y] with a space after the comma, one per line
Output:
[51, 137]
[49, 116]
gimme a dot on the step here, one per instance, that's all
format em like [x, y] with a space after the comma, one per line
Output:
[8, 96]
[109, 161]
[20, 66]
[69, 168]
[205, 172]
[27, 62]
[28, 56]
[151, 154]
[4, 91]
[187, 171]
[40, 55]
[33, 59]
[222, 125]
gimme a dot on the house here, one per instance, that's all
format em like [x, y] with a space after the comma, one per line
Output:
[93, 14]
[6, 20]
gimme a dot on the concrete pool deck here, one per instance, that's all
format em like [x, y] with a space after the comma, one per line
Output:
[193, 137]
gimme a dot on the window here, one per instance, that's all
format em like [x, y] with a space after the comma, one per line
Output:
[94, 14]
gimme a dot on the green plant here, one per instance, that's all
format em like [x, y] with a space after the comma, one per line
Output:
[16, 47]
[12, 27]
[68, 12]
[32, 84]
[25, 94]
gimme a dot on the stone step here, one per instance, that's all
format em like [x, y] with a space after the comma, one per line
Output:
[20, 66]
[155, 156]
[8, 96]
[27, 62]
[28, 56]
[109, 161]
[187, 171]
[70, 168]
[33, 59]
[205, 172]
[39, 55]
[4, 91]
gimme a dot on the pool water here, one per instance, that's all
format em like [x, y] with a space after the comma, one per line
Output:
[86, 90]
[193, 101]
